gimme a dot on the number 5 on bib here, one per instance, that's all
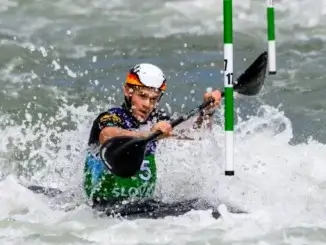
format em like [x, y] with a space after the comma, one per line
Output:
[146, 172]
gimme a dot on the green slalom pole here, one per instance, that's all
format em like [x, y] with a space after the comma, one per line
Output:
[228, 85]
[271, 38]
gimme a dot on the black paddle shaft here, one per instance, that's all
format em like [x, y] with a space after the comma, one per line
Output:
[249, 83]
[124, 155]
[182, 118]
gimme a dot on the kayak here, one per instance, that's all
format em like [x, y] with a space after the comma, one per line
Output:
[142, 208]
[153, 209]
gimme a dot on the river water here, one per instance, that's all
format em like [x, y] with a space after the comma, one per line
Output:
[64, 61]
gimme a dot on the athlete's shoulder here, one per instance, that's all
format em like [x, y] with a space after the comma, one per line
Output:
[109, 118]
[112, 117]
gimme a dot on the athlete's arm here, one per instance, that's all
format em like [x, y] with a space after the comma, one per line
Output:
[201, 121]
[107, 125]
[206, 116]
[163, 126]
[111, 128]
[204, 119]
[109, 132]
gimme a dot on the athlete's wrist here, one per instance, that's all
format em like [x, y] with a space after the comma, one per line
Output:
[207, 113]
[143, 134]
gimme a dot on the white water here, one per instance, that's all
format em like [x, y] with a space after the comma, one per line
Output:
[281, 186]
[82, 26]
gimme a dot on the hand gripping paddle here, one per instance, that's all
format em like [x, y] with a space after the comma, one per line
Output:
[123, 155]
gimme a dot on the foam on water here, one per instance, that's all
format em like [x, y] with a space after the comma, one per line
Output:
[280, 185]
[78, 27]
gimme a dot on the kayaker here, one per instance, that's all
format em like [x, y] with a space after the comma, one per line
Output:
[138, 116]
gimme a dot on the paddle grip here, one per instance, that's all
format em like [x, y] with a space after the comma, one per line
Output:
[153, 136]
[248, 83]
[191, 113]
[182, 118]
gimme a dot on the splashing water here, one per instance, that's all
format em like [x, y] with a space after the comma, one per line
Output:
[279, 184]
[64, 61]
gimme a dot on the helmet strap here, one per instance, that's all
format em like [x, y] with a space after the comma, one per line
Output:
[128, 103]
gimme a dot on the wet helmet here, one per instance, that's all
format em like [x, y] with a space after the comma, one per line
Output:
[147, 75]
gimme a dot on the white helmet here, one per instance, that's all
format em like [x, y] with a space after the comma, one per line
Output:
[147, 75]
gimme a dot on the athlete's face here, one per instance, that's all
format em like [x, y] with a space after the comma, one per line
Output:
[143, 101]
